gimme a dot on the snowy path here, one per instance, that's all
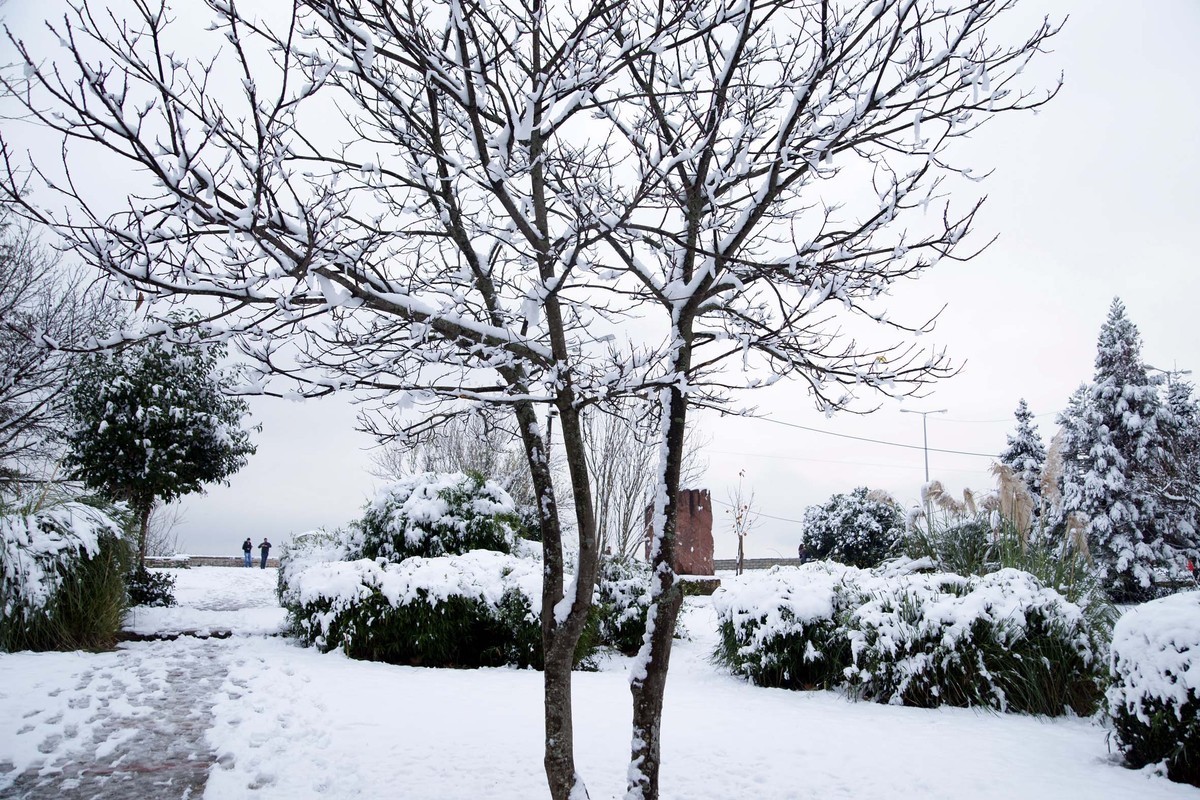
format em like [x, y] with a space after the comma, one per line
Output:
[133, 723]
[129, 724]
[258, 718]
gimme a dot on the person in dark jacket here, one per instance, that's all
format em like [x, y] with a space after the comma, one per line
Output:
[265, 547]
[247, 546]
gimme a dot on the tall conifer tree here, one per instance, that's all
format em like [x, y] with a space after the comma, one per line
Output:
[1114, 436]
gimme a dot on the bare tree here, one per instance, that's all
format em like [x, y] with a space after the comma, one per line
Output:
[622, 454]
[469, 443]
[43, 305]
[162, 532]
[745, 517]
[546, 206]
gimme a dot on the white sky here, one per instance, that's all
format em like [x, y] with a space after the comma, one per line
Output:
[1092, 198]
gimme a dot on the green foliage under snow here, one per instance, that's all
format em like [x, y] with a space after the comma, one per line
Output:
[62, 584]
[621, 601]
[1154, 700]
[436, 514]
[1001, 641]
[860, 528]
[477, 609]
[151, 422]
[148, 588]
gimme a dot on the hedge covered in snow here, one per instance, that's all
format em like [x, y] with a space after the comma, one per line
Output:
[1001, 641]
[477, 609]
[435, 574]
[1154, 700]
[62, 584]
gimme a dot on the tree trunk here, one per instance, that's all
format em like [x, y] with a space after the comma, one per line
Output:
[560, 637]
[143, 532]
[650, 674]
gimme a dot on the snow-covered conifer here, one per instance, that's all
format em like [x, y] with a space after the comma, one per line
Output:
[1026, 454]
[1177, 473]
[1112, 438]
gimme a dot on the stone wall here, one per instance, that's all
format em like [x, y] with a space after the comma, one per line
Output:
[185, 562]
[730, 564]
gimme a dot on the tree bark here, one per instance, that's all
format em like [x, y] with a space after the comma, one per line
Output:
[144, 512]
[561, 637]
[649, 686]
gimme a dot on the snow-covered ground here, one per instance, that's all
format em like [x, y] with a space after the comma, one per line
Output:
[267, 719]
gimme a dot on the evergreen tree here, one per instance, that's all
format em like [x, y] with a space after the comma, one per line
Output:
[152, 422]
[1177, 473]
[1026, 454]
[861, 528]
[1113, 437]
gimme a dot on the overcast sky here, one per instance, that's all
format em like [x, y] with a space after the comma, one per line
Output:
[1094, 197]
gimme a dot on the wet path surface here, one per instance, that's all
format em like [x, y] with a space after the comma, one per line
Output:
[144, 726]
[129, 724]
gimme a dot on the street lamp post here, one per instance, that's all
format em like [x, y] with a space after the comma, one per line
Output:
[924, 432]
[1170, 373]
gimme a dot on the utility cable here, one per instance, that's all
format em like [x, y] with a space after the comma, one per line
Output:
[876, 441]
[758, 513]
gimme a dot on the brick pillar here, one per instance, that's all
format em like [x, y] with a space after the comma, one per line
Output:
[693, 533]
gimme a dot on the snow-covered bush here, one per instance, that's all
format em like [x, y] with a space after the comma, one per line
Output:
[860, 528]
[1001, 532]
[62, 583]
[621, 600]
[1002, 640]
[781, 628]
[148, 588]
[1154, 700]
[481, 608]
[436, 514]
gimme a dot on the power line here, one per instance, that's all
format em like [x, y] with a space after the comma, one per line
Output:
[991, 421]
[758, 513]
[980, 471]
[874, 441]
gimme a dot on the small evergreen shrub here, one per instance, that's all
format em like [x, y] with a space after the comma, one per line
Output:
[1002, 641]
[62, 581]
[1154, 699]
[621, 601]
[780, 629]
[529, 524]
[860, 529]
[148, 588]
[437, 514]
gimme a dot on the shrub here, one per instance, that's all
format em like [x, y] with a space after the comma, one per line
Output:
[621, 601]
[148, 588]
[861, 528]
[436, 514]
[62, 586]
[1002, 641]
[983, 543]
[780, 628]
[1154, 700]
[478, 609]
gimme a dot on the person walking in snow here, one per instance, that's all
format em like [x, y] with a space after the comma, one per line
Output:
[247, 546]
[265, 547]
